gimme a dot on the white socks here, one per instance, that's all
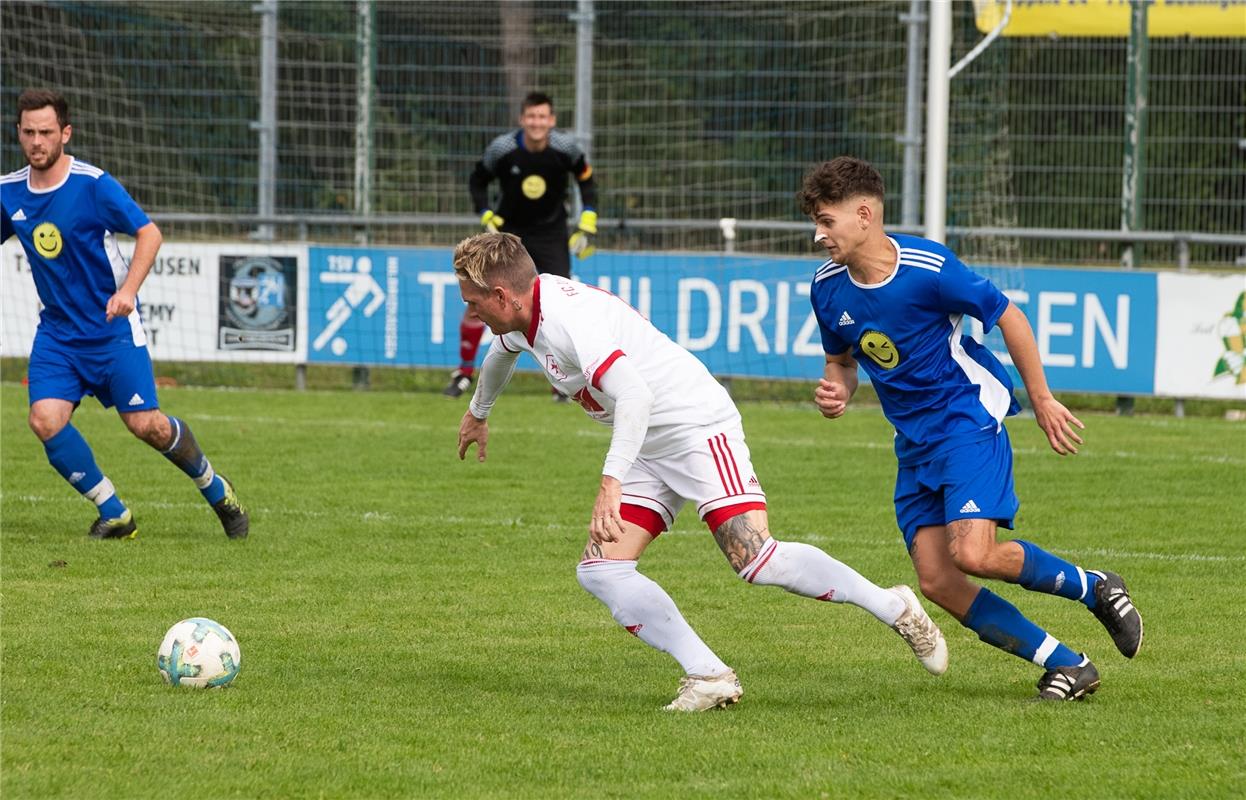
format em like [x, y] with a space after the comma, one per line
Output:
[647, 611]
[807, 571]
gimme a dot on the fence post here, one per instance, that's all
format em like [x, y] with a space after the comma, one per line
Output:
[1135, 126]
[583, 18]
[363, 115]
[266, 126]
[1135, 132]
[937, 89]
[912, 138]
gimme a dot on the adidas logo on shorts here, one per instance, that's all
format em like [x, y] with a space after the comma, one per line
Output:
[970, 508]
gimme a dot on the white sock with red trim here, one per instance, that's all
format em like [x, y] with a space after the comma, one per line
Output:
[807, 571]
[648, 612]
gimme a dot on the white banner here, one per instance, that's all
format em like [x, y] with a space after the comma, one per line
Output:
[1199, 332]
[200, 302]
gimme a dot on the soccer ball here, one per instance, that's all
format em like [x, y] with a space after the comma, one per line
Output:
[199, 653]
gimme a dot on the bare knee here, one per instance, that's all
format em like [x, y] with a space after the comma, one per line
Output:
[940, 588]
[46, 423]
[150, 426]
[988, 560]
[971, 560]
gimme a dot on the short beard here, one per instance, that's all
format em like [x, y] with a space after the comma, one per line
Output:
[51, 161]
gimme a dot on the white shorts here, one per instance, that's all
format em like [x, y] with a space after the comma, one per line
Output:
[714, 473]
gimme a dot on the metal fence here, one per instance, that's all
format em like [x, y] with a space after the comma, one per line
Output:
[700, 111]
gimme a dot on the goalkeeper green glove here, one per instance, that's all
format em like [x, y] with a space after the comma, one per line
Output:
[581, 242]
[491, 222]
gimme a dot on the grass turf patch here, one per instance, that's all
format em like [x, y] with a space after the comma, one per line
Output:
[411, 626]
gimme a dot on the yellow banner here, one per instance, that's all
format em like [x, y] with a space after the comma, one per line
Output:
[1199, 18]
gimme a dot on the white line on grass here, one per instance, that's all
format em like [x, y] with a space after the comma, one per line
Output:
[520, 522]
[366, 516]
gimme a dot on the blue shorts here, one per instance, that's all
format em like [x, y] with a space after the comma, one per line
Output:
[118, 374]
[970, 481]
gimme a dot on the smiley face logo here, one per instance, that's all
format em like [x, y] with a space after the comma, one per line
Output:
[48, 240]
[880, 349]
[533, 187]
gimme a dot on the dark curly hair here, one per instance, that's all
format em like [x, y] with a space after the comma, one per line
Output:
[837, 180]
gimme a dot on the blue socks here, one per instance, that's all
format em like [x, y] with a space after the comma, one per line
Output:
[185, 453]
[998, 622]
[1043, 572]
[70, 455]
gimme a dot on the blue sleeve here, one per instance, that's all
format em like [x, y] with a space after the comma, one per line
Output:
[832, 343]
[117, 210]
[965, 292]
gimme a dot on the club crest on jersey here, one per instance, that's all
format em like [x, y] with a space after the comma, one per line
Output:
[881, 350]
[551, 366]
[47, 239]
[533, 187]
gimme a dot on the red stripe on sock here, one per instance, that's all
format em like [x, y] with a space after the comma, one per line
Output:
[753, 573]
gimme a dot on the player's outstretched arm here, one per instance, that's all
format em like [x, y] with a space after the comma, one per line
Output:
[473, 430]
[1055, 420]
[837, 386]
[495, 373]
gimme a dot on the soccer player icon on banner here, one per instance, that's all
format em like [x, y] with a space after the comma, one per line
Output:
[360, 284]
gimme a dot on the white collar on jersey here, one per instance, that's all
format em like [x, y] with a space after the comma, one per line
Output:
[895, 270]
[68, 171]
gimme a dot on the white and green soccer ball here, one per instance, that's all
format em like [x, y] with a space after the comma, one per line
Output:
[199, 653]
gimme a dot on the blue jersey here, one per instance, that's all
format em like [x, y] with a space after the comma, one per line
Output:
[67, 233]
[937, 386]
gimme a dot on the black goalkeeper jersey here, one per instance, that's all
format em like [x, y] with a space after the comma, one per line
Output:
[534, 185]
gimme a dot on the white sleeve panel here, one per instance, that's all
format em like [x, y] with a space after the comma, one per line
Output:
[633, 400]
[495, 373]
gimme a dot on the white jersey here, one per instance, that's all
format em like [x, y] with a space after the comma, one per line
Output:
[577, 333]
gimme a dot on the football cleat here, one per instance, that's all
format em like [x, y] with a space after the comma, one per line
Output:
[459, 383]
[234, 518]
[703, 692]
[1115, 609]
[121, 527]
[1069, 683]
[920, 632]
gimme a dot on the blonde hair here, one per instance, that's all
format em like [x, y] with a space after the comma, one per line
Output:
[489, 259]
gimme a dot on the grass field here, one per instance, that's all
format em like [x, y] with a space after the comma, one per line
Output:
[411, 625]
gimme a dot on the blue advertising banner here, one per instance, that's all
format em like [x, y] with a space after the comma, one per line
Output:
[741, 315]
[1096, 330]
[376, 306]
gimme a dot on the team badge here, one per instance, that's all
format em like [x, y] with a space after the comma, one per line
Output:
[48, 241]
[552, 367]
[879, 347]
[533, 187]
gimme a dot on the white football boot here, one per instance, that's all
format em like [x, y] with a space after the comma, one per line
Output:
[920, 631]
[703, 692]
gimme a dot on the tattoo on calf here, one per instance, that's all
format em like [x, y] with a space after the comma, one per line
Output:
[740, 540]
